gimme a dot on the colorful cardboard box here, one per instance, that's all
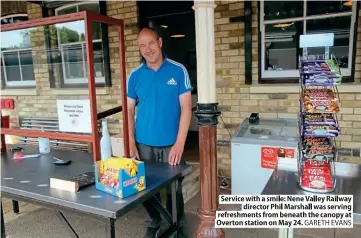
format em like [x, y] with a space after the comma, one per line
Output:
[121, 177]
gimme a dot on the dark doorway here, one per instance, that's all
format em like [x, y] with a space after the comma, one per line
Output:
[175, 23]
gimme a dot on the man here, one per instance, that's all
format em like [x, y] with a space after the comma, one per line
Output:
[162, 89]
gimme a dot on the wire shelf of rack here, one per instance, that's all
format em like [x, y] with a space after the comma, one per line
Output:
[325, 81]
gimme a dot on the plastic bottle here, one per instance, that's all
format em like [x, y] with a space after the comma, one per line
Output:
[105, 143]
[44, 144]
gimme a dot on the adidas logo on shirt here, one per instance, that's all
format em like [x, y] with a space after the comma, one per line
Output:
[171, 82]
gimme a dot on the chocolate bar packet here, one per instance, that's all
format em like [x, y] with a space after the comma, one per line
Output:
[321, 130]
[318, 149]
[316, 164]
[316, 141]
[318, 157]
[319, 119]
[318, 152]
[315, 65]
[318, 94]
[321, 106]
[313, 78]
[317, 182]
[320, 65]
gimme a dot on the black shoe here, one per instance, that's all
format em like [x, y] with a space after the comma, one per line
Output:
[152, 232]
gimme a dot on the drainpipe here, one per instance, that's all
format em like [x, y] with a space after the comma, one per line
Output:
[207, 114]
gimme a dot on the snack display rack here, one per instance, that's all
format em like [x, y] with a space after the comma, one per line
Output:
[318, 125]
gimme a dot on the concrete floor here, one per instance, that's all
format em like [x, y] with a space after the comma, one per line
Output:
[37, 222]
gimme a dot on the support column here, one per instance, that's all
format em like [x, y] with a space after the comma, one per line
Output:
[207, 114]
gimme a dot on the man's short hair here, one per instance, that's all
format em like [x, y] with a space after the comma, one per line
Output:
[149, 28]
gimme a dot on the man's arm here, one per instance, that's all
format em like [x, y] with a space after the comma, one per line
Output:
[131, 102]
[186, 117]
[185, 99]
[131, 121]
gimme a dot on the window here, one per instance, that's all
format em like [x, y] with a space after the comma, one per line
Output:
[282, 22]
[71, 41]
[16, 55]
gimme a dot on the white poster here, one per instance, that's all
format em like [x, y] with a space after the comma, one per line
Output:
[74, 116]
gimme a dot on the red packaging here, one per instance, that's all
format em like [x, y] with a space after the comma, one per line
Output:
[316, 164]
[317, 182]
[316, 171]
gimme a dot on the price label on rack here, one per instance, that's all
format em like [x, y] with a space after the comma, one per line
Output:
[271, 155]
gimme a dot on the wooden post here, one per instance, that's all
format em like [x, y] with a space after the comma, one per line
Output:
[207, 114]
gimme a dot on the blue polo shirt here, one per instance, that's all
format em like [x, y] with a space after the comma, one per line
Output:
[157, 92]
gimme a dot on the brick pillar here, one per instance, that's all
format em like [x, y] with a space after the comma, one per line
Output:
[207, 114]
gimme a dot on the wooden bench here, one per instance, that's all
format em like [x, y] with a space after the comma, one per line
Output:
[50, 125]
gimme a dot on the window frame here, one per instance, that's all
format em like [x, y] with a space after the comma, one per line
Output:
[292, 76]
[79, 81]
[18, 83]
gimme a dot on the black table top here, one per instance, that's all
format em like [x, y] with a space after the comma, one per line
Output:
[30, 178]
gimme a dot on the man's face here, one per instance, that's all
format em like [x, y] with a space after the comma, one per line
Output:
[150, 47]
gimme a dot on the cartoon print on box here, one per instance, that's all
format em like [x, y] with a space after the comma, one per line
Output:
[131, 168]
[140, 185]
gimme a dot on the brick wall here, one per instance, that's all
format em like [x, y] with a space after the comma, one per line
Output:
[44, 104]
[13, 7]
[234, 97]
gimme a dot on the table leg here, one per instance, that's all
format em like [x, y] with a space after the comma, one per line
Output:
[281, 233]
[3, 234]
[15, 207]
[110, 229]
[174, 207]
[65, 222]
[291, 232]
[285, 232]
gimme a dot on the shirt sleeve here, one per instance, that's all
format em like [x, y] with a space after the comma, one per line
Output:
[184, 82]
[131, 86]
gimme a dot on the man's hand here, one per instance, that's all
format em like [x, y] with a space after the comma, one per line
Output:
[134, 151]
[175, 154]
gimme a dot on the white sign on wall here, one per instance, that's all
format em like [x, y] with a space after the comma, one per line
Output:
[74, 116]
